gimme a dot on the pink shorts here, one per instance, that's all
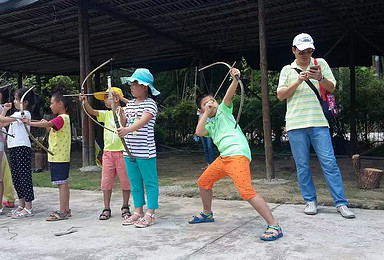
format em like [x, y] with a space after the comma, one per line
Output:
[113, 163]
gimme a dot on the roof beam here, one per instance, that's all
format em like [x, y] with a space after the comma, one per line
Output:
[148, 29]
[36, 48]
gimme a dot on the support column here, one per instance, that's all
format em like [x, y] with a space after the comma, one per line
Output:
[87, 56]
[352, 72]
[19, 80]
[270, 171]
[83, 74]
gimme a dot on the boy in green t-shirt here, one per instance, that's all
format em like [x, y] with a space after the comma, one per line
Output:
[113, 160]
[234, 159]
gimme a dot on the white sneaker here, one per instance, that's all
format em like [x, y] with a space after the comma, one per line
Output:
[1, 211]
[310, 208]
[345, 212]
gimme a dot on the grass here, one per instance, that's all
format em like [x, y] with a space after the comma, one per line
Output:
[77, 180]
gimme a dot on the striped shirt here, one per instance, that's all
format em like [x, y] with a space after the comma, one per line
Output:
[303, 107]
[141, 143]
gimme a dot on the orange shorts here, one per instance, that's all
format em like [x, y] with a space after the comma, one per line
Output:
[236, 167]
[113, 163]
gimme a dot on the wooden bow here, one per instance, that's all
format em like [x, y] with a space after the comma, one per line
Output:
[116, 119]
[26, 128]
[82, 92]
[241, 88]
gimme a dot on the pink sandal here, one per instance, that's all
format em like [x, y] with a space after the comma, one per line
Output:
[142, 223]
[130, 220]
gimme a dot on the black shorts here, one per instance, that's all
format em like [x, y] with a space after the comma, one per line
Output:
[59, 172]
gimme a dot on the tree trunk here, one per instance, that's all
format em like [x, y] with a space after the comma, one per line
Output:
[368, 178]
[41, 160]
[356, 167]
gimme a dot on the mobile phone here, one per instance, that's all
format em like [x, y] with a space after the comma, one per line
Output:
[314, 67]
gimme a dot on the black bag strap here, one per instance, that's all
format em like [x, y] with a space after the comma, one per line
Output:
[310, 84]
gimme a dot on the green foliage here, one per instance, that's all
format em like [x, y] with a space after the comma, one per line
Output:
[59, 83]
[369, 100]
[176, 124]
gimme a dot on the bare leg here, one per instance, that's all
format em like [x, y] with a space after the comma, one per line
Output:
[126, 195]
[22, 202]
[64, 197]
[28, 205]
[259, 204]
[206, 198]
[107, 198]
[1, 194]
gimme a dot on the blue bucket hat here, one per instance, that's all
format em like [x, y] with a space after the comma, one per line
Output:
[143, 77]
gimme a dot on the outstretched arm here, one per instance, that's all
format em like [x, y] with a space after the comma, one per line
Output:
[4, 119]
[42, 124]
[231, 91]
[122, 99]
[87, 106]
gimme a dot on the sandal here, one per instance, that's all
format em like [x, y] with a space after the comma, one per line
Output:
[205, 218]
[132, 219]
[14, 211]
[57, 215]
[104, 215]
[272, 233]
[142, 223]
[21, 214]
[125, 211]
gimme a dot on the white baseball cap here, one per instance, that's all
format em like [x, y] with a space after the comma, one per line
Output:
[303, 41]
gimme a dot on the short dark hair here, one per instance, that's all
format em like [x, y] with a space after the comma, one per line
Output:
[59, 96]
[200, 97]
[5, 95]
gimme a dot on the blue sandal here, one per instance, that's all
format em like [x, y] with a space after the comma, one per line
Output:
[270, 235]
[205, 218]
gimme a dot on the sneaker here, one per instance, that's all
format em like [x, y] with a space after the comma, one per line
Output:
[1, 211]
[345, 212]
[310, 208]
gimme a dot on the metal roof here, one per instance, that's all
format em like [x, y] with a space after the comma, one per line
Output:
[43, 36]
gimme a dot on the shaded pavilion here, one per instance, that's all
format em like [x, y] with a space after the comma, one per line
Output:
[51, 37]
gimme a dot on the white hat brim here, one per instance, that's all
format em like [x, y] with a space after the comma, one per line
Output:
[304, 46]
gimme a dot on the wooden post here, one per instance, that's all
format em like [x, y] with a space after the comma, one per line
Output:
[83, 74]
[352, 72]
[356, 167]
[265, 94]
[19, 80]
[87, 57]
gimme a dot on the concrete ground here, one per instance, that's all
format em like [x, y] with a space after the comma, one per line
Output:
[234, 234]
